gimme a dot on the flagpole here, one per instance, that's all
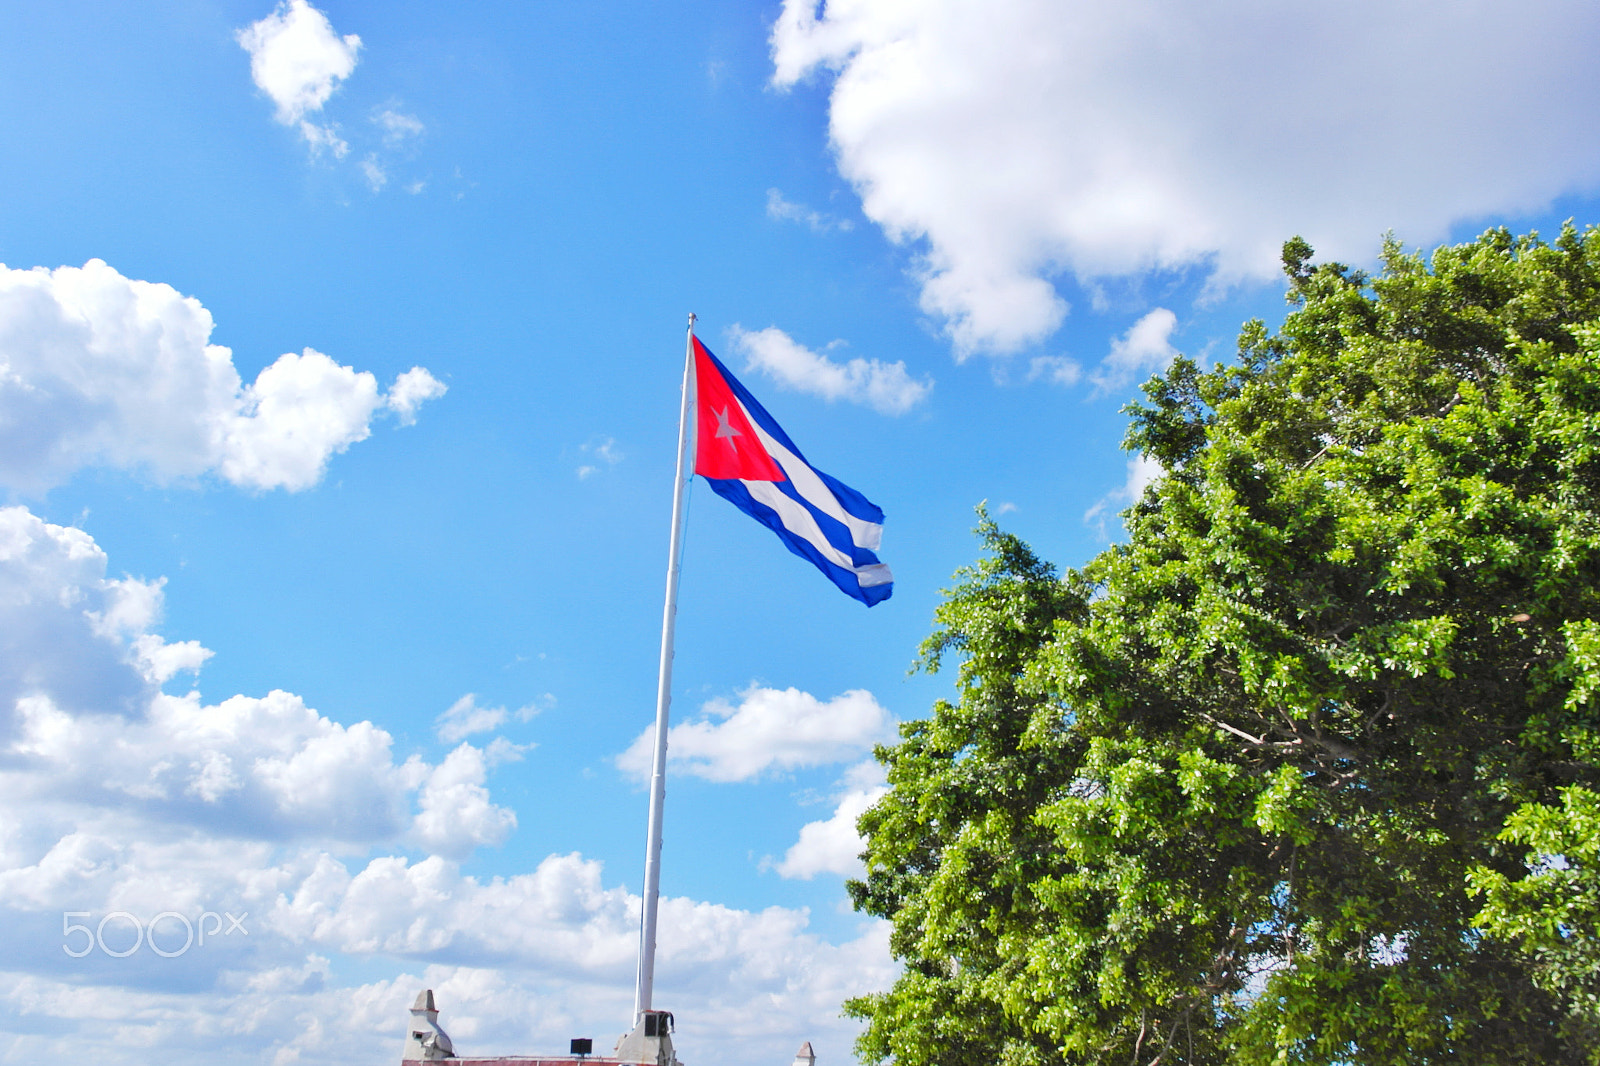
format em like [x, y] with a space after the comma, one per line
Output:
[658, 771]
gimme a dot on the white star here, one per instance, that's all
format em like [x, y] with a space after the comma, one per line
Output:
[724, 429]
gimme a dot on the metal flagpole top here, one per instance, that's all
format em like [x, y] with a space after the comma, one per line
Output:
[692, 319]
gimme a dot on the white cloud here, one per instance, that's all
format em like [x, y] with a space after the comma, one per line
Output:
[410, 391]
[517, 963]
[100, 369]
[455, 813]
[376, 176]
[69, 631]
[500, 750]
[833, 845]
[397, 126]
[301, 410]
[1017, 140]
[788, 211]
[603, 450]
[885, 387]
[1142, 471]
[557, 947]
[268, 766]
[298, 61]
[1138, 353]
[770, 729]
[82, 720]
[324, 139]
[1056, 369]
[464, 717]
[120, 797]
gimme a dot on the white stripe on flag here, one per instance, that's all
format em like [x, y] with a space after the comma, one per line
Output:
[876, 574]
[803, 524]
[863, 534]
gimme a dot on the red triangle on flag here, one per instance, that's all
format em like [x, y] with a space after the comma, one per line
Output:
[726, 444]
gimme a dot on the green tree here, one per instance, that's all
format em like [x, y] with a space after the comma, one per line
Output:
[1308, 769]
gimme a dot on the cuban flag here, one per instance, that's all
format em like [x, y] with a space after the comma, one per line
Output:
[751, 462]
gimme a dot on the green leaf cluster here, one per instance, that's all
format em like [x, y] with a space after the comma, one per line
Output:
[1308, 769]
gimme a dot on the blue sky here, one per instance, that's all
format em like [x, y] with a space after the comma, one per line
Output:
[354, 639]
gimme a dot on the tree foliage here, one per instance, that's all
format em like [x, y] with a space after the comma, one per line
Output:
[1308, 769]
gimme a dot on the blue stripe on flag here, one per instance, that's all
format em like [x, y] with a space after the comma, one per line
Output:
[848, 580]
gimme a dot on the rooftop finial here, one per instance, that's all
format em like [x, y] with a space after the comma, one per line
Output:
[425, 1040]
